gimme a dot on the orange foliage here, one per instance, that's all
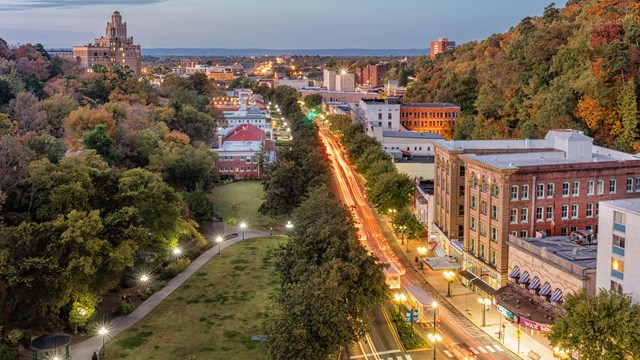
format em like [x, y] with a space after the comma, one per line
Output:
[175, 139]
[83, 120]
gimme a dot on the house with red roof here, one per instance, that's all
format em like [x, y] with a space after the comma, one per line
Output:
[243, 152]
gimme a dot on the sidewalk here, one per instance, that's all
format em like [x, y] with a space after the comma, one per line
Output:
[467, 302]
[85, 349]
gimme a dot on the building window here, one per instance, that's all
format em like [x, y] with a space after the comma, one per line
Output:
[600, 187]
[483, 251]
[472, 223]
[540, 192]
[540, 213]
[494, 212]
[241, 157]
[565, 211]
[525, 192]
[617, 265]
[514, 192]
[619, 218]
[494, 234]
[597, 209]
[494, 191]
[523, 233]
[612, 186]
[472, 245]
[493, 258]
[563, 231]
[550, 188]
[574, 211]
[461, 191]
[638, 184]
[473, 182]
[575, 190]
[574, 229]
[484, 187]
[483, 228]
[565, 189]
[618, 241]
[589, 210]
[617, 287]
[460, 210]
[524, 215]
[514, 216]
[483, 207]
[630, 184]
[549, 213]
[473, 202]
[590, 186]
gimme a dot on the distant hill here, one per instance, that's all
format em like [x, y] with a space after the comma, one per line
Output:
[576, 67]
[273, 52]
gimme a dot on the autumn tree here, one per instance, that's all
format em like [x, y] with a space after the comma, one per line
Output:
[83, 120]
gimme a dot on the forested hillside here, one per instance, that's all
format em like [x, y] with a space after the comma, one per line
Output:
[576, 67]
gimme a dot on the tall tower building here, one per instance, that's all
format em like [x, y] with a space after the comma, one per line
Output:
[440, 46]
[113, 49]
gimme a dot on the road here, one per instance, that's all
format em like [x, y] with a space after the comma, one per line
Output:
[457, 331]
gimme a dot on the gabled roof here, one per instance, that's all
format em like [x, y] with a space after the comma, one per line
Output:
[245, 132]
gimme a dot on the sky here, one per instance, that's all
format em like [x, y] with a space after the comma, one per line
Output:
[271, 24]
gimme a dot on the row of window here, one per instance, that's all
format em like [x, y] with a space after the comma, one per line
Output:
[521, 192]
[482, 253]
[546, 214]
[473, 226]
[241, 157]
[240, 169]
[483, 187]
[432, 115]
[424, 123]
[483, 207]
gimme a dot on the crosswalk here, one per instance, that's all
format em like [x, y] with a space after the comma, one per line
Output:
[384, 355]
[476, 350]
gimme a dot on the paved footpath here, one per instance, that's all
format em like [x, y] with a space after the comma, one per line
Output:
[85, 349]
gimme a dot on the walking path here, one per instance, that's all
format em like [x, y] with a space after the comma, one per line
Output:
[85, 349]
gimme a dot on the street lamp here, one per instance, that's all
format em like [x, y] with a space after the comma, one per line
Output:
[485, 302]
[103, 332]
[243, 226]
[219, 240]
[449, 276]
[435, 339]
[289, 226]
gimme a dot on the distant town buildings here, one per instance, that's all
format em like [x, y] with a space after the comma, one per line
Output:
[345, 82]
[489, 190]
[243, 151]
[329, 80]
[113, 49]
[439, 118]
[619, 242]
[371, 76]
[440, 46]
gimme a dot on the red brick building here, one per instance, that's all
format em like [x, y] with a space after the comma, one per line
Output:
[439, 118]
[243, 152]
[488, 190]
[440, 46]
[371, 75]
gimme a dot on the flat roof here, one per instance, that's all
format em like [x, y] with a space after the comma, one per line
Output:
[412, 135]
[624, 205]
[560, 250]
[543, 158]
[431, 105]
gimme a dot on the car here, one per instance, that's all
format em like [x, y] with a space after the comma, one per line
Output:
[462, 351]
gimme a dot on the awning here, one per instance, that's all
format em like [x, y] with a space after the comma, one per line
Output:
[557, 296]
[483, 286]
[467, 275]
[439, 252]
[442, 263]
[535, 284]
[405, 153]
[524, 279]
[546, 290]
[515, 273]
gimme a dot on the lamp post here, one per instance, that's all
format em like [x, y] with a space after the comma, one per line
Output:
[289, 226]
[176, 253]
[103, 332]
[219, 240]
[435, 339]
[485, 302]
[422, 252]
[399, 298]
[243, 226]
[449, 276]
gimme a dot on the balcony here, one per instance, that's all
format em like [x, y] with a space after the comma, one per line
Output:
[617, 250]
[617, 274]
[619, 227]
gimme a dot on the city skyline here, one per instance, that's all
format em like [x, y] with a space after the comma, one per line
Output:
[330, 24]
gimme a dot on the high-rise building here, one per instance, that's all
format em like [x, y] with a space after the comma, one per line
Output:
[345, 82]
[113, 49]
[487, 190]
[329, 80]
[371, 75]
[440, 46]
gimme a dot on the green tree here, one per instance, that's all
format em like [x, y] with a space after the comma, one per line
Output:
[600, 327]
[628, 110]
[313, 102]
[185, 166]
[98, 140]
[391, 191]
[7, 126]
[198, 125]
[201, 208]
[406, 223]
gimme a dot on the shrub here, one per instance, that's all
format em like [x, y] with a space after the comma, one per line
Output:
[125, 307]
[409, 336]
[7, 352]
[176, 268]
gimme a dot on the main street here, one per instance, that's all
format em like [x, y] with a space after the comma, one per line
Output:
[456, 330]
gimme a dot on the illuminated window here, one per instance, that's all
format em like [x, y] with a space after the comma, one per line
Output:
[617, 264]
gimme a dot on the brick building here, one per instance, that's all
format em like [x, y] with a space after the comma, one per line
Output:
[490, 189]
[440, 46]
[437, 118]
[113, 49]
[371, 75]
[243, 152]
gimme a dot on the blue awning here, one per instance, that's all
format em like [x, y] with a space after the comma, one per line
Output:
[515, 273]
[557, 296]
[546, 290]
[535, 284]
[524, 279]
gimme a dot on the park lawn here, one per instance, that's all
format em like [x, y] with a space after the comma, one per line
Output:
[241, 200]
[213, 314]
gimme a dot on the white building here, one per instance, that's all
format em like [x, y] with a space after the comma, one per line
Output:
[414, 143]
[619, 236]
[294, 83]
[345, 82]
[253, 116]
[379, 113]
[329, 80]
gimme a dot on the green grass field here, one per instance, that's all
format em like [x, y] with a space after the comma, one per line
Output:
[213, 314]
[241, 200]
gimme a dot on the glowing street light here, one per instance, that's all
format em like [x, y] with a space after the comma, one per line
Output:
[449, 276]
[485, 302]
[144, 278]
[219, 240]
[103, 332]
[422, 251]
[177, 251]
[243, 226]
[289, 225]
[435, 339]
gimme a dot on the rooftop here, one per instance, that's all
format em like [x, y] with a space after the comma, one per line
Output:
[561, 251]
[624, 205]
[411, 134]
[525, 305]
[431, 105]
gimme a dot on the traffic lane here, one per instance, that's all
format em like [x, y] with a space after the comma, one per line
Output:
[383, 332]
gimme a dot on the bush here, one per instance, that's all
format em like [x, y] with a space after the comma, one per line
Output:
[8, 352]
[14, 337]
[125, 307]
[176, 268]
[409, 336]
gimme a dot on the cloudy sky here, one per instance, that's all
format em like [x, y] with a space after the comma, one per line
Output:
[278, 24]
